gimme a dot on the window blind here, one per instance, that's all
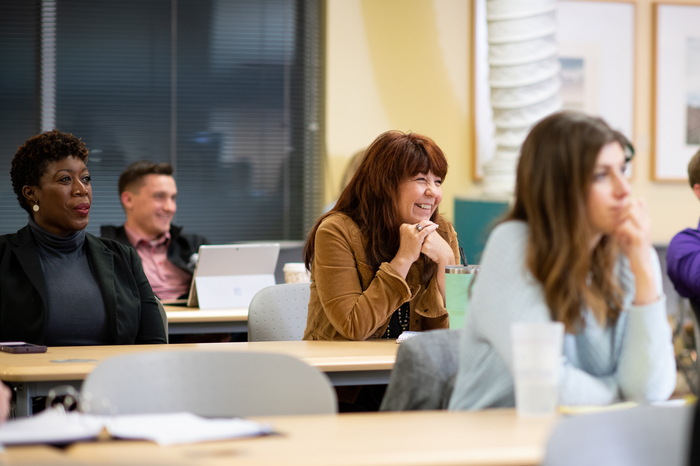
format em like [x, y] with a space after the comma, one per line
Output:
[20, 109]
[227, 91]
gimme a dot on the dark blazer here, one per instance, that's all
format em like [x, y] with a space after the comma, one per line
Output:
[132, 310]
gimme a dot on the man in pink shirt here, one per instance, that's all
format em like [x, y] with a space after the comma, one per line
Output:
[148, 194]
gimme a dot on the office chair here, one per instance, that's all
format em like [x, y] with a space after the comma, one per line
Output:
[207, 383]
[424, 374]
[643, 436]
[278, 313]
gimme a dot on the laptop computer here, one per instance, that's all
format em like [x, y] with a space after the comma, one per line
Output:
[229, 275]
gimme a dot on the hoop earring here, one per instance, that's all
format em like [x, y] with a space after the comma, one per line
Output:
[36, 208]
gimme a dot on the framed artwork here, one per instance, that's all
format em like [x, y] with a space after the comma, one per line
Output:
[596, 54]
[676, 101]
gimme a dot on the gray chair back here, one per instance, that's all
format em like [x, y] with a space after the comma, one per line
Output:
[643, 436]
[207, 383]
[424, 373]
[278, 313]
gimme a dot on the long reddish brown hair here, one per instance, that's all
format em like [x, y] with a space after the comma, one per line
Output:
[370, 199]
[554, 177]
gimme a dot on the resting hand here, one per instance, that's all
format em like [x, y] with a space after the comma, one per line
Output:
[634, 231]
[435, 247]
[634, 236]
[411, 238]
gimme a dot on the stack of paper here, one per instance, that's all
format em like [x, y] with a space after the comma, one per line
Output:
[56, 427]
[405, 335]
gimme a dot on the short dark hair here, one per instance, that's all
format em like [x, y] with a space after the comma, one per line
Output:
[34, 156]
[694, 170]
[135, 173]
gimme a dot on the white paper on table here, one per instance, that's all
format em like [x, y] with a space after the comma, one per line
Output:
[54, 427]
[174, 428]
[51, 426]
[405, 335]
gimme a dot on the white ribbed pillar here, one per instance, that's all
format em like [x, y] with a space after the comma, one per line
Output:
[524, 80]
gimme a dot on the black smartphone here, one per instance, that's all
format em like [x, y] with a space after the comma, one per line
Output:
[21, 347]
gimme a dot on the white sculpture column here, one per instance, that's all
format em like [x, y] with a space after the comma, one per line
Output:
[524, 80]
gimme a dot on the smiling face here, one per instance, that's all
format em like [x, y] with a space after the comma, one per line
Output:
[64, 197]
[150, 206]
[418, 197]
[610, 191]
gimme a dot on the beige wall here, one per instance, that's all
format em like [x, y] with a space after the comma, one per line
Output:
[405, 64]
[398, 64]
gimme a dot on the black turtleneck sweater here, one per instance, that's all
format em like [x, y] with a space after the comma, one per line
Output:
[75, 309]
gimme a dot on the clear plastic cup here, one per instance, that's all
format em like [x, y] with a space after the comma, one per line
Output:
[537, 351]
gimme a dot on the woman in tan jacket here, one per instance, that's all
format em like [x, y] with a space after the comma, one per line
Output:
[377, 260]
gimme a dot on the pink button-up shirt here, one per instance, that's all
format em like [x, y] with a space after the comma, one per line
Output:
[167, 280]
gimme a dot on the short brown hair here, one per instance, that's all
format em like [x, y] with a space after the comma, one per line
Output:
[694, 170]
[33, 158]
[135, 173]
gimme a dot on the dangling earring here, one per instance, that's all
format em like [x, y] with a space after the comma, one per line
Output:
[36, 207]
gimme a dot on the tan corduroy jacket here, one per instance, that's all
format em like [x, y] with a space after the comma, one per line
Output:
[352, 301]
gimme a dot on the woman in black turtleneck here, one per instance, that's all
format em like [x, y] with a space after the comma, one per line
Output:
[60, 286]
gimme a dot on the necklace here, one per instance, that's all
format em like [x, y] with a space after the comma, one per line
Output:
[399, 322]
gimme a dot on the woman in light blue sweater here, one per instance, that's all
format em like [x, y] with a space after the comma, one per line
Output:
[575, 248]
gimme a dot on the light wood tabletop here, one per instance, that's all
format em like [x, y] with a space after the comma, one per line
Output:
[493, 437]
[76, 362]
[179, 314]
[183, 319]
[344, 362]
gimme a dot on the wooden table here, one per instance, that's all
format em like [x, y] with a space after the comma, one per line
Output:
[193, 320]
[493, 437]
[345, 362]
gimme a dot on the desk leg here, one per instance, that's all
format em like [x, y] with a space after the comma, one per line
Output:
[23, 408]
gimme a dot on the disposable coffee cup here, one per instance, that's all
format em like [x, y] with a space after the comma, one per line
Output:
[458, 279]
[295, 272]
[537, 352]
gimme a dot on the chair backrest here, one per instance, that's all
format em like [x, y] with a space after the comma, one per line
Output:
[643, 436]
[164, 318]
[207, 383]
[278, 313]
[423, 376]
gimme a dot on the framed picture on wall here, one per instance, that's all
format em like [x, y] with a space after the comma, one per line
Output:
[676, 101]
[596, 54]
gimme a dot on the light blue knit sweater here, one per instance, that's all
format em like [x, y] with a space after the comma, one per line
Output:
[631, 359]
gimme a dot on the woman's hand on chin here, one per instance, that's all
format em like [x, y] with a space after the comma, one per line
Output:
[634, 236]
[435, 247]
[412, 239]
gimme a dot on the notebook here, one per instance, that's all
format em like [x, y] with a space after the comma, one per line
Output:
[53, 426]
[228, 276]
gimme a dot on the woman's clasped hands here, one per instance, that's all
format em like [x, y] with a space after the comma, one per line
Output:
[417, 238]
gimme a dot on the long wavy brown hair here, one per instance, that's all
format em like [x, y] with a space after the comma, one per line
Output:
[554, 177]
[370, 199]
